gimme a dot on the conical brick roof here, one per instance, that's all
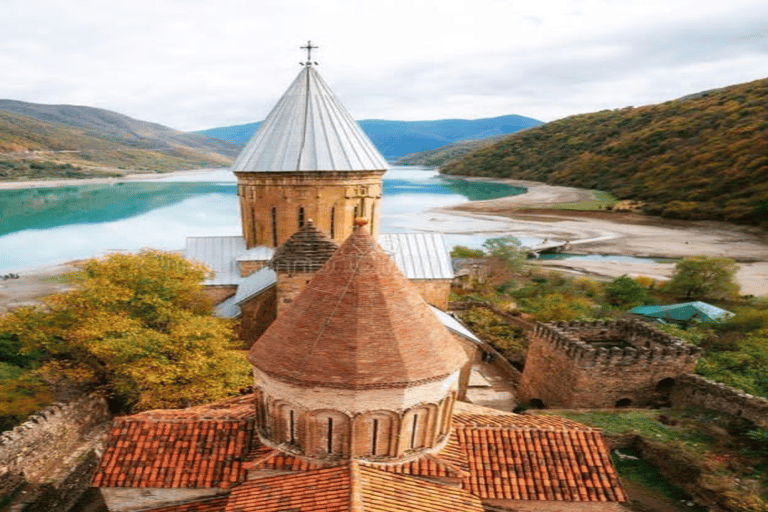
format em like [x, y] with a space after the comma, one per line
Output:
[309, 130]
[306, 251]
[358, 324]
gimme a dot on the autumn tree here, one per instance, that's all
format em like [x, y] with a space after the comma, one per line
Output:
[702, 277]
[626, 292]
[138, 326]
[507, 249]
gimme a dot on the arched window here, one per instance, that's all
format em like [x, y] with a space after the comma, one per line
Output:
[373, 216]
[301, 217]
[274, 226]
[333, 222]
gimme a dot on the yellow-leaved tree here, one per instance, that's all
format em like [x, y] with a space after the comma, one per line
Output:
[138, 326]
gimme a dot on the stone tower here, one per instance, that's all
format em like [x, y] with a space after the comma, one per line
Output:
[309, 159]
[358, 367]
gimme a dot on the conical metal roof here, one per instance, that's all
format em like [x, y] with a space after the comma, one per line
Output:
[309, 130]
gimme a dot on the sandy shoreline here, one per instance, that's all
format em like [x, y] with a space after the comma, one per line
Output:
[626, 234]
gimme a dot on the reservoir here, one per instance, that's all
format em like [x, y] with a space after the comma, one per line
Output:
[44, 226]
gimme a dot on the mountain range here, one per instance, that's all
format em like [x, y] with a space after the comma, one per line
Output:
[397, 138]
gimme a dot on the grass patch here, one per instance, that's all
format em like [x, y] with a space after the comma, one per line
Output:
[601, 200]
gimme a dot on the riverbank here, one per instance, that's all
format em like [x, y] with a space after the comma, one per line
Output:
[622, 233]
[10, 185]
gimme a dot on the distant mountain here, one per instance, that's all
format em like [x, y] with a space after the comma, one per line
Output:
[35, 139]
[438, 156]
[397, 138]
[704, 156]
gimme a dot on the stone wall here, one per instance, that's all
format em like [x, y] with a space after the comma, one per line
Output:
[219, 293]
[55, 451]
[256, 314]
[434, 291]
[603, 364]
[696, 391]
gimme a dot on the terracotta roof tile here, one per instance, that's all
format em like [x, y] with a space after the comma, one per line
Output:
[152, 452]
[358, 323]
[237, 407]
[533, 464]
[217, 504]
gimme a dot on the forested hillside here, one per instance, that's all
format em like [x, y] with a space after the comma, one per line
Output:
[704, 156]
[65, 141]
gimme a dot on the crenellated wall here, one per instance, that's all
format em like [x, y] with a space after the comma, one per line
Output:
[56, 451]
[696, 391]
[603, 364]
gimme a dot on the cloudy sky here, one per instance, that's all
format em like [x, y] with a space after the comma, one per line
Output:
[195, 64]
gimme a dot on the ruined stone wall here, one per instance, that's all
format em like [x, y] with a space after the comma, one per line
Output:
[696, 391]
[56, 451]
[564, 368]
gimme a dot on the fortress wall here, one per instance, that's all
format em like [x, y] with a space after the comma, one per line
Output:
[55, 451]
[564, 368]
[696, 391]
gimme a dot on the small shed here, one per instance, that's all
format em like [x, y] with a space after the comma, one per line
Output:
[683, 313]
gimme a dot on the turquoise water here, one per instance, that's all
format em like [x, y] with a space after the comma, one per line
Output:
[44, 226]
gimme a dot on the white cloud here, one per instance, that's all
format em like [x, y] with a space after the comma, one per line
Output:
[192, 64]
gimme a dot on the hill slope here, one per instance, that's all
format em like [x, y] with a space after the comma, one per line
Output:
[700, 157]
[397, 138]
[36, 139]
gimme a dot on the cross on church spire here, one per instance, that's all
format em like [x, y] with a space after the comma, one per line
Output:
[309, 49]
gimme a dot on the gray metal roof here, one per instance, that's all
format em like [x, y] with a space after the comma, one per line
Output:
[254, 284]
[309, 130]
[418, 255]
[228, 309]
[258, 253]
[454, 325]
[218, 253]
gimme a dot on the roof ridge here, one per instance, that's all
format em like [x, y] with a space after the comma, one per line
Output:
[448, 465]
[355, 488]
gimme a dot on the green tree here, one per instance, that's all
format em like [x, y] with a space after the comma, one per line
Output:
[460, 251]
[507, 249]
[702, 277]
[139, 327]
[625, 291]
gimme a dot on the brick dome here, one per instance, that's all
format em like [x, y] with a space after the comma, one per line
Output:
[358, 324]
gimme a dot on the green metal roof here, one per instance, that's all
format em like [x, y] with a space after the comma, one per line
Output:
[683, 312]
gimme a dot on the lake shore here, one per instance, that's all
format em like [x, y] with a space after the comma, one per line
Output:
[625, 234]
[11, 185]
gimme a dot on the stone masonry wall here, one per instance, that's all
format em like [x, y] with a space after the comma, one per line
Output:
[434, 291]
[693, 390]
[569, 364]
[54, 450]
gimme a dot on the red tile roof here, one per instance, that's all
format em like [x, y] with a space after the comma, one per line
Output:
[351, 487]
[493, 456]
[182, 453]
[529, 464]
[359, 323]
[217, 504]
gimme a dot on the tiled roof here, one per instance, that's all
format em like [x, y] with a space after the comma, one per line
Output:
[492, 455]
[174, 454]
[529, 464]
[358, 323]
[309, 130]
[217, 504]
[418, 255]
[351, 487]
[305, 251]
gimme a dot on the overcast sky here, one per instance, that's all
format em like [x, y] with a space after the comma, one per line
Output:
[195, 64]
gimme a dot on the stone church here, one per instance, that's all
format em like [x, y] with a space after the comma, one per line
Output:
[357, 379]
